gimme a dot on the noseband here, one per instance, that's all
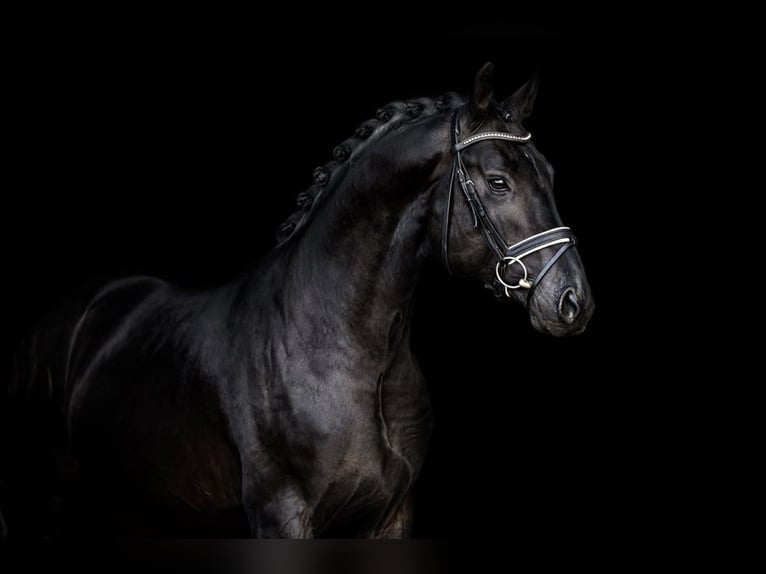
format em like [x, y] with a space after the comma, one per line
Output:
[506, 255]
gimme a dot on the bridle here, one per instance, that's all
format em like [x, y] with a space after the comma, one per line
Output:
[506, 255]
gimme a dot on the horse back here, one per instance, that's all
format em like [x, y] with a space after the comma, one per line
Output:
[98, 325]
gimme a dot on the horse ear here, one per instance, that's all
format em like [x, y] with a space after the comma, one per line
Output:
[482, 89]
[520, 104]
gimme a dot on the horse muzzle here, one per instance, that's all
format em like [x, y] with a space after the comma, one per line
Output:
[565, 312]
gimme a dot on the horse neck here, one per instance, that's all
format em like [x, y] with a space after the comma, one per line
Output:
[355, 267]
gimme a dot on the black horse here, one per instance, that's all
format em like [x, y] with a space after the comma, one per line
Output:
[293, 392]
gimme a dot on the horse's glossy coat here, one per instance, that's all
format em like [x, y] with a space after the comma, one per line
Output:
[293, 391]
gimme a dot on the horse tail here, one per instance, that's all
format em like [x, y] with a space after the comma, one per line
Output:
[38, 371]
[34, 437]
[34, 465]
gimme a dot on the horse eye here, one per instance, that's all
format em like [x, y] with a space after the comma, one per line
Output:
[498, 184]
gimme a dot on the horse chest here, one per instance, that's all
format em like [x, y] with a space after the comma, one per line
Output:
[382, 428]
[364, 486]
[381, 452]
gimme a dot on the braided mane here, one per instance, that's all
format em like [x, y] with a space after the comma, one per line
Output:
[329, 176]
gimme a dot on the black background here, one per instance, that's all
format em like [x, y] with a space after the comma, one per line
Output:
[177, 154]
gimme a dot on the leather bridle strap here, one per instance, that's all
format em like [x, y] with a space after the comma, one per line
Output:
[445, 221]
[506, 255]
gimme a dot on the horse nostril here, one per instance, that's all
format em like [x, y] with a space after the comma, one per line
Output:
[569, 308]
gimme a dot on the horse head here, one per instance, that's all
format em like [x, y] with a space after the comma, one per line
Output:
[495, 218]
